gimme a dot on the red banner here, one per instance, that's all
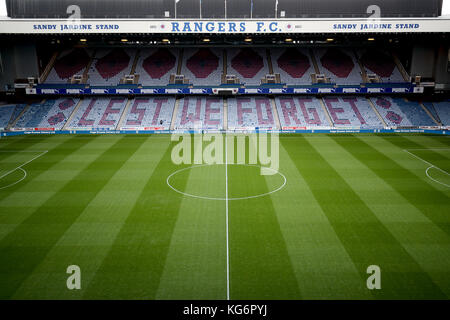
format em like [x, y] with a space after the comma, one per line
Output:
[294, 128]
[44, 129]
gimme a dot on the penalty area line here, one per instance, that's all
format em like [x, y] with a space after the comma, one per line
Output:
[430, 166]
[24, 164]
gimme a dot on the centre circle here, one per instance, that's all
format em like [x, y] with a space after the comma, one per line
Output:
[225, 182]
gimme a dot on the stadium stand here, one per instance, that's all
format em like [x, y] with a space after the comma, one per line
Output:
[430, 107]
[293, 64]
[203, 66]
[17, 111]
[250, 112]
[339, 64]
[352, 112]
[110, 66]
[58, 114]
[5, 115]
[155, 113]
[397, 112]
[68, 64]
[9, 113]
[440, 110]
[156, 65]
[300, 112]
[381, 64]
[101, 113]
[248, 64]
[200, 113]
[49, 114]
[34, 114]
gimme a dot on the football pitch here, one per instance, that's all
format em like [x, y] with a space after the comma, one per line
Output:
[140, 226]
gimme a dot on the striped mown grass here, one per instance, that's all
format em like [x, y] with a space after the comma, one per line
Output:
[103, 203]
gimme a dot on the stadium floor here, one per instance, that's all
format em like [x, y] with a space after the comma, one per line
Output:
[103, 203]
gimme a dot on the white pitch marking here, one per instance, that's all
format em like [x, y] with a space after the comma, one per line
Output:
[20, 167]
[226, 206]
[224, 199]
[430, 166]
[437, 181]
[14, 183]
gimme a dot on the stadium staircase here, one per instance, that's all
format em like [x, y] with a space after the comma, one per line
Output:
[361, 67]
[314, 61]
[49, 68]
[430, 114]
[136, 59]
[124, 114]
[13, 124]
[377, 113]
[432, 109]
[400, 67]
[74, 112]
[225, 64]
[175, 113]
[225, 114]
[269, 61]
[180, 61]
[275, 113]
[322, 103]
[86, 71]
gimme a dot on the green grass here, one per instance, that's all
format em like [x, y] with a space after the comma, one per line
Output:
[102, 203]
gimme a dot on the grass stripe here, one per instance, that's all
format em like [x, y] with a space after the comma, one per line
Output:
[428, 245]
[409, 161]
[20, 153]
[260, 265]
[430, 141]
[441, 139]
[437, 158]
[24, 248]
[133, 267]
[366, 240]
[311, 240]
[20, 201]
[17, 142]
[90, 237]
[22, 144]
[424, 196]
[195, 266]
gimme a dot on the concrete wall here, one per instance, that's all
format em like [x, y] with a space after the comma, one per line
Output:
[18, 61]
[442, 71]
[432, 61]
[420, 54]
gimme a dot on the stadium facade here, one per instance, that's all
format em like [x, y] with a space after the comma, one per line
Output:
[223, 9]
[280, 65]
